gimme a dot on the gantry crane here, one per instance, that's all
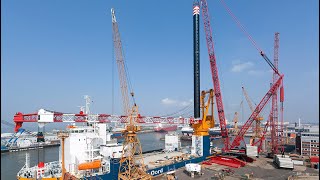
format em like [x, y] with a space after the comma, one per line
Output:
[257, 129]
[131, 162]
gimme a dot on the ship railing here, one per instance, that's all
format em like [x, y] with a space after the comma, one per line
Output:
[22, 170]
[112, 141]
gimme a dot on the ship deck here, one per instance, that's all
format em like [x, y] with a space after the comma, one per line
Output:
[158, 159]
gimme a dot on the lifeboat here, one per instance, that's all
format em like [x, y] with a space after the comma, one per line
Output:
[90, 165]
[292, 135]
[71, 126]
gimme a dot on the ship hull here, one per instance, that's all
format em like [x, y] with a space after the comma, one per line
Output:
[117, 135]
[165, 129]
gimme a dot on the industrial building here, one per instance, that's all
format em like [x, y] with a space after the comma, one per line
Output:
[307, 141]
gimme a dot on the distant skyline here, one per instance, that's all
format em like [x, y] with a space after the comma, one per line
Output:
[55, 52]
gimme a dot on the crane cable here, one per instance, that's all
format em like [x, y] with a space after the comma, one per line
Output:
[128, 77]
[112, 75]
[242, 28]
[179, 111]
[240, 25]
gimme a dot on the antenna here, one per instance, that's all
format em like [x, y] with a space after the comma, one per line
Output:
[87, 98]
[81, 108]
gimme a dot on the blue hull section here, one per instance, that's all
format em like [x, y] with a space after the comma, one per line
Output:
[171, 167]
[113, 175]
[114, 164]
[117, 135]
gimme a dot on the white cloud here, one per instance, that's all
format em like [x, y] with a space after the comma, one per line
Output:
[186, 103]
[168, 101]
[237, 66]
[256, 72]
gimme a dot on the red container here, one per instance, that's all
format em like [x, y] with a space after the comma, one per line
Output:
[314, 159]
[41, 164]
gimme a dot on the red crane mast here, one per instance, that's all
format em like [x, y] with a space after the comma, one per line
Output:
[214, 73]
[274, 107]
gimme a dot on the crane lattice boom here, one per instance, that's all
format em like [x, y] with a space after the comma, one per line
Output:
[214, 72]
[255, 113]
[248, 99]
[120, 63]
[274, 106]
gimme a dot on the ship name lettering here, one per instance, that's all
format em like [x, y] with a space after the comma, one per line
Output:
[156, 172]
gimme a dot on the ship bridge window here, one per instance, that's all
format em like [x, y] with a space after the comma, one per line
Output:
[81, 131]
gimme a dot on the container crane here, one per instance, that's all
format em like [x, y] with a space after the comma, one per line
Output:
[257, 129]
[131, 162]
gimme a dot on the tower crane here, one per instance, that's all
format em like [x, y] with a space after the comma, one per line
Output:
[257, 129]
[131, 165]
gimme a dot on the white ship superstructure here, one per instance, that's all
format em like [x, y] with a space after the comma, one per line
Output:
[87, 151]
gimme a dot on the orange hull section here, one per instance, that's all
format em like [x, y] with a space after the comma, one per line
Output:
[90, 165]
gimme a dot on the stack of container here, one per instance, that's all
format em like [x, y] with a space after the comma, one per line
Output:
[283, 161]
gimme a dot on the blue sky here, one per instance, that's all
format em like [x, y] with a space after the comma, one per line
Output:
[54, 52]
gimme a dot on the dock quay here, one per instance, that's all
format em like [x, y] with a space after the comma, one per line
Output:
[15, 149]
[261, 168]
